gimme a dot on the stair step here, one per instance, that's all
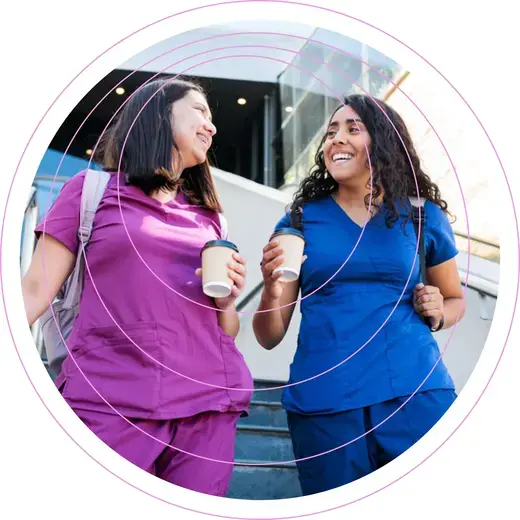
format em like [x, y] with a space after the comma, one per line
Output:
[264, 483]
[264, 391]
[263, 443]
[264, 464]
[265, 413]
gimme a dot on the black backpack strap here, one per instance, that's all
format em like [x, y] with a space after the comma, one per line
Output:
[418, 224]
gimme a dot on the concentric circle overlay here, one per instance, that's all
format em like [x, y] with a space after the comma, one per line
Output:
[226, 462]
[368, 25]
[253, 464]
[362, 231]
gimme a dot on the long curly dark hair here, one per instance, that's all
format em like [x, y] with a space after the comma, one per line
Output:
[392, 172]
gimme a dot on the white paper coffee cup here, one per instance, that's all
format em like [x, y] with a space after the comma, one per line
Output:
[216, 255]
[292, 243]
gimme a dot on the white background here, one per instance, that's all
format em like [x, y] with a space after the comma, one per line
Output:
[43, 473]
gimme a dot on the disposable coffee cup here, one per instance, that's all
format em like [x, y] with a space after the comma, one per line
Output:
[216, 255]
[292, 242]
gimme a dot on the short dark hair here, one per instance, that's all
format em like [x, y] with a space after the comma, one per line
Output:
[147, 156]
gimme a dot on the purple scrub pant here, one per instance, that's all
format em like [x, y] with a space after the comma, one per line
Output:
[209, 434]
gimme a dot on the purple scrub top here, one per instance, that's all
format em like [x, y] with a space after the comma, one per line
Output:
[175, 335]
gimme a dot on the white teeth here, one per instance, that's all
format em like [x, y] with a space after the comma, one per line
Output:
[341, 157]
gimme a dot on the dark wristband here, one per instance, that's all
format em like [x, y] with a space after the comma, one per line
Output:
[441, 324]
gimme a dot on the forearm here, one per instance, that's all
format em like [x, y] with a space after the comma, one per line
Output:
[35, 300]
[269, 327]
[454, 309]
[228, 321]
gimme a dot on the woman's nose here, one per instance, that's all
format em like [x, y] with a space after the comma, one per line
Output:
[340, 137]
[211, 128]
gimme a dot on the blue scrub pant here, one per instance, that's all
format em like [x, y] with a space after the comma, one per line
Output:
[313, 434]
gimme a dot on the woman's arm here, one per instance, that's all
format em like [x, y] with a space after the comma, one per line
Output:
[270, 327]
[229, 322]
[41, 285]
[443, 296]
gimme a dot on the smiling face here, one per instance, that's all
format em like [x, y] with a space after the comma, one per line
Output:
[345, 147]
[192, 128]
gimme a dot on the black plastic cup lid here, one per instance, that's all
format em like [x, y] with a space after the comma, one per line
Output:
[220, 243]
[288, 231]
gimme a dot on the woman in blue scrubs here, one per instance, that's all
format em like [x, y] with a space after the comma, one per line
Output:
[380, 365]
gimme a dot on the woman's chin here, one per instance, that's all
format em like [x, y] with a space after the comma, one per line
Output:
[196, 160]
[347, 176]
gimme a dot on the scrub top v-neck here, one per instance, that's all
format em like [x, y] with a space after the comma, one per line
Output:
[362, 321]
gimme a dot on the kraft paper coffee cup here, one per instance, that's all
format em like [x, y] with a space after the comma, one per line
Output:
[215, 258]
[292, 242]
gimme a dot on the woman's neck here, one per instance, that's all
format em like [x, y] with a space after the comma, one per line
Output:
[164, 196]
[354, 196]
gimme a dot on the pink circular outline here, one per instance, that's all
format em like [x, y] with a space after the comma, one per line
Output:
[366, 221]
[349, 256]
[293, 384]
[462, 98]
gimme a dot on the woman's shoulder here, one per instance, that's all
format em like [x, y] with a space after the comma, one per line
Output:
[307, 209]
[435, 215]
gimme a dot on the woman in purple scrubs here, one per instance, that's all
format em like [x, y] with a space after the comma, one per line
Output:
[185, 385]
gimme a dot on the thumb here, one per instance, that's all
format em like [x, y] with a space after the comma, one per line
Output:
[198, 272]
[419, 286]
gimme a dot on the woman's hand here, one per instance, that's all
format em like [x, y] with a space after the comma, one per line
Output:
[428, 302]
[271, 259]
[237, 272]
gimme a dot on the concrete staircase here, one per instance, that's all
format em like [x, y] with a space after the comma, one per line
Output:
[263, 437]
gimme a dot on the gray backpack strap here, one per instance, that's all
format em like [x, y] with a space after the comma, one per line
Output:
[94, 186]
[223, 227]
[57, 320]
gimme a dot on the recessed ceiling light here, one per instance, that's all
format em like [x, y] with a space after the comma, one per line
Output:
[289, 109]
[120, 91]
[88, 152]
[241, 101]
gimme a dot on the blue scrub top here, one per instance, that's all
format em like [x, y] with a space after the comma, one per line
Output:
[347, 312]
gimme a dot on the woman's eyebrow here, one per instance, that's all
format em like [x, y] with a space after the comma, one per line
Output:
[348, 121]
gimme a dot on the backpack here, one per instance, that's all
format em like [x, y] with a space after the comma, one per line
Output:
[56, 324]
[56, 321]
